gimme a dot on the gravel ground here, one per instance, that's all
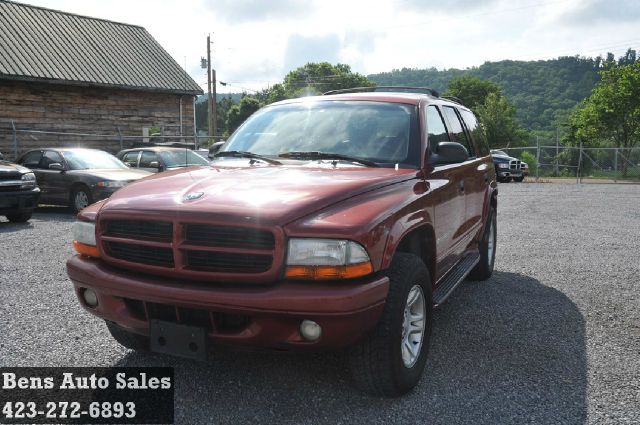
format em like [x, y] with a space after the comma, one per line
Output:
[552, 337]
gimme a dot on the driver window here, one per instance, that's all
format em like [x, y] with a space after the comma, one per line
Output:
[50, 157]
[147, 158]
[436, 128]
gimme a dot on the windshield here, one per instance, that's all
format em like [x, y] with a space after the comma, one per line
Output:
[181, 158]
[497, 152]
[386, 133]
[91, 159]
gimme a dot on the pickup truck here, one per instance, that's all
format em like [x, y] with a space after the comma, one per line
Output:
[323, 223]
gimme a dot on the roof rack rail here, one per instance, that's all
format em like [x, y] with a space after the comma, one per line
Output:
[408, 89]
[453, 99]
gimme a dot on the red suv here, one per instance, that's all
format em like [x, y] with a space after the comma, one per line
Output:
[322, 223]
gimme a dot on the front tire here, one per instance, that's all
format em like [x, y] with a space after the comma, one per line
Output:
[487, 246]
[390, 362]
[80, 198]
[20, 217]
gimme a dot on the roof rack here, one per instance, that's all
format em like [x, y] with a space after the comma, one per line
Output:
[408, 89]
[453, 99]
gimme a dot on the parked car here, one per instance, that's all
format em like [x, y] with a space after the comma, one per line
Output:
[525, 168]
[507, 167]
[18, 192]
[323, 223]
[77, 177]
[160, 158]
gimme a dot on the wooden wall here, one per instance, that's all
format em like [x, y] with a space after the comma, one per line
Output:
[92, 110]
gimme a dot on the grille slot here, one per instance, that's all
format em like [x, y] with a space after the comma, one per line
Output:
[155, 256]
[138, 229]
[228, 262]
[205, 234]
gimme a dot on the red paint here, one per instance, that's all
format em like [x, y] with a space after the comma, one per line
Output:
[376, 207]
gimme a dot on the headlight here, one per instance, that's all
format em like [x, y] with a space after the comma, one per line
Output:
[84, 238]
[503, 165]
[323, 259]
[28, 181]
[111, 184]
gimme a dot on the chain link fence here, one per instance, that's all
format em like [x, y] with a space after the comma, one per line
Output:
[18, 141]
[580, 163]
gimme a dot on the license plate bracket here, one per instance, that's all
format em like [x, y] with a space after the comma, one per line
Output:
[178, 340]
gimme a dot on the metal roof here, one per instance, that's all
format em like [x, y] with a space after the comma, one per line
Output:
[39, 44]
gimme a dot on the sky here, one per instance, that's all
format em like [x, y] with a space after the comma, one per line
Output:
[256, 43]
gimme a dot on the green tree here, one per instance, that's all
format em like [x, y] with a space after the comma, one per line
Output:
[611, 114]
[240, 112]
[471, 90]
[498, 118]
[316, 78]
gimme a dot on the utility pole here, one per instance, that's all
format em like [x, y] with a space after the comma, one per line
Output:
[214, 106]
[212, 121]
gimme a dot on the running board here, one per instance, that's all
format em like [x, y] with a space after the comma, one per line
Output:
[454, 277]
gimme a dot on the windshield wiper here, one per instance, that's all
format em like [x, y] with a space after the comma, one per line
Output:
[244, 154]
[327, 155]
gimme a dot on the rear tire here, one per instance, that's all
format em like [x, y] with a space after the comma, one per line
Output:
[391, 360]
[487, 246]
[20, 217]
[128, 339]
[80, 198]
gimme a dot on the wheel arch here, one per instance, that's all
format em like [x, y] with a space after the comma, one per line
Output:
[421, 242]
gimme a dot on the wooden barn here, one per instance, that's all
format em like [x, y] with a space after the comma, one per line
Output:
[71, 80]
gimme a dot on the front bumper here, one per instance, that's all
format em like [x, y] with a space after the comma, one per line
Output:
[100, 193]
[19, 201]
[266, 316]
[504, 173]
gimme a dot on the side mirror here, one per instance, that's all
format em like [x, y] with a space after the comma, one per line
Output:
[56, 166]
[449, 153]
[214, 149]
[154, 164]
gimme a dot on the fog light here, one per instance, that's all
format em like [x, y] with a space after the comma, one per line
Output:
[90, 297]
[310, 330]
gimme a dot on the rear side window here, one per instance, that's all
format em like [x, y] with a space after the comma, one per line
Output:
[32, 159]
[476, 132]
[457, 129]
[436, 127]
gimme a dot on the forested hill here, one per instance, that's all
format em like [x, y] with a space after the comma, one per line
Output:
[542, 91]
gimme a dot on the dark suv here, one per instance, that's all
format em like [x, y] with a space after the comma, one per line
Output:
[19, 192]
[322, 223]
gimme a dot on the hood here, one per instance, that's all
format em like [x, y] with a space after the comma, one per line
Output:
[7, 167]
[260, 193]
[503, 158]
[113, 174]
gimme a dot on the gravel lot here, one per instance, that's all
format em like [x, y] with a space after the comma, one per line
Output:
[552, 337]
